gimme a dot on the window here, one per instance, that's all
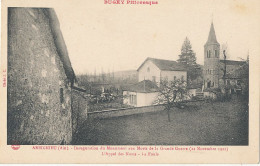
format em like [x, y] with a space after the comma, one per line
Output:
[238, 82]
[211, 71]
[61, 95]
[154, 79]
[208, 54]
[228, 82]
[133, 99]
[216, 53]
[148, 69]
[208, 84]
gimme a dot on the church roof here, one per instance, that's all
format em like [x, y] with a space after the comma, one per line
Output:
[145, 86]
[232, 62]
[165, 65]
[212, 39]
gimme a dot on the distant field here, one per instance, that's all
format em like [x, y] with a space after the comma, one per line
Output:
[202, 123]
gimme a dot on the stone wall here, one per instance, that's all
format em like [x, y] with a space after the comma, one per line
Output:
[39, 93]
[124, 112]
[211, 66]
[79, 109]
[210, 95]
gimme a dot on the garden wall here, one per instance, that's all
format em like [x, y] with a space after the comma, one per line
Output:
[124, 112]
[79, 109]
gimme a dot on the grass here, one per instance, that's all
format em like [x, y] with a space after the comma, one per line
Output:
[213, 123]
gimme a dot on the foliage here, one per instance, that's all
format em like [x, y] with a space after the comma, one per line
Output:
[171, 94]
[83, 81]
[195, 98]
[188, 58]
[187, 55]
[245, 79]
[222, 94]
[243, 74]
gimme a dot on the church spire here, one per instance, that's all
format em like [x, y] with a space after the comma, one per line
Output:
[212, 36]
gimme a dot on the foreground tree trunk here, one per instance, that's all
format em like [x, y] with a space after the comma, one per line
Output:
[168, 111]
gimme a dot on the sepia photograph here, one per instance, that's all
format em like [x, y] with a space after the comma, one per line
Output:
[142, 73]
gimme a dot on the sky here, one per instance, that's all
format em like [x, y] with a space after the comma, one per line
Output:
[108, 38]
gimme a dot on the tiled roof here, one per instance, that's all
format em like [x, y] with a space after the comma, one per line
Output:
[231, 62]
[145, 86]
[166, 65]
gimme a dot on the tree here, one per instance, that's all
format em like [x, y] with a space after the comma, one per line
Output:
[188, 59]
[171, 94]
[246, 79]
[226, 88]
[224, 47]
[242, 72]
[83, 81]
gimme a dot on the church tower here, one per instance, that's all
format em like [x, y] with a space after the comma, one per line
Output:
[211, 60]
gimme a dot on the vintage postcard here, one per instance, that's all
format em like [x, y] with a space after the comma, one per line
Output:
[130, 81]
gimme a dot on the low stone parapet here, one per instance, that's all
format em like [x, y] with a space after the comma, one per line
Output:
[124, 111]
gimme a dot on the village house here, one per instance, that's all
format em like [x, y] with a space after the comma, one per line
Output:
[150, 74]
[214, 67]
[41, 80]
[143, 93]
[156, 70]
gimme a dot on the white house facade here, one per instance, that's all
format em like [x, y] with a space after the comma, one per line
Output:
[156, 70]
[143, 93]
[174, 75]
[137, 99]
[150, 74]
[149, 71]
